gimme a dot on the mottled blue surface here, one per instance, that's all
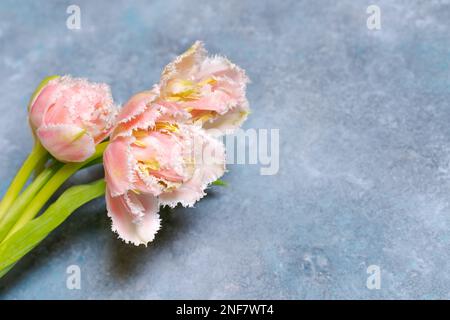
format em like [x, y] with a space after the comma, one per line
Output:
[364, 121]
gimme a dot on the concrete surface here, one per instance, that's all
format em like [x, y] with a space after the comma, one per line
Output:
[364, 158]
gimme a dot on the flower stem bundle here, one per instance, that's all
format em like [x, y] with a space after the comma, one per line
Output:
[160, 149]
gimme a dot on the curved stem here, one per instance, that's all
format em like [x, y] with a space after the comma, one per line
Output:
[36, 156]
[51, 186]
[39, 168]
[14, 212]
[35, 160]
[33, 232]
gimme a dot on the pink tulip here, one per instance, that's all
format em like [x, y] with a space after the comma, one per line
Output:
[211, 89]
[71, 116]
[156, 158]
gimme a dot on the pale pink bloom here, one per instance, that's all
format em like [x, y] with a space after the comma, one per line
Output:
[155, 158]
[70, 116]
[210, 88]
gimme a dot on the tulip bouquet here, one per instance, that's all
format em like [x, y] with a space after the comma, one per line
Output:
[160, 149]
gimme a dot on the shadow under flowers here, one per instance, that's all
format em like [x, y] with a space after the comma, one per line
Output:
[89, 225]
[126, 259]
[92, 222]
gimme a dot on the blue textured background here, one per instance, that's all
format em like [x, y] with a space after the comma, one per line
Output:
[365, 149]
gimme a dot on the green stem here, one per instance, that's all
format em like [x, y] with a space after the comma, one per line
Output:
[35, 161]
[39, 168]
[37, 154]
[51, 186]
[14, 212]
[5, 271]
[33, 232]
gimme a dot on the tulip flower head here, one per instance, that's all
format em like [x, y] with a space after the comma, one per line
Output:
[162, 151]
[155, 158]
[70, 116]
[210, 88]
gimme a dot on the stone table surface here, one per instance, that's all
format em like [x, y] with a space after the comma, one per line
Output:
[364, 176]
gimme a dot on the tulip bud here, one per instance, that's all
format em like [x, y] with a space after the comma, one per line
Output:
[70, 116]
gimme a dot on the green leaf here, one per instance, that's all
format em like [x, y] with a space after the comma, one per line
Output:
[5, 270]
[220, 183]
[34, 231]
[34, 159]
[40, 199]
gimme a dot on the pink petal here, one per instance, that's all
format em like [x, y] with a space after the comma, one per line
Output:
[136, 105]
[58, 113]
[42, 102]
[119, 166]
[209, 166]
[124, 222]
[222, 95]
[217, 101]
[67, 143]
[219, 67]
[144, 121]
[230, 120]
[183, 65]
[166, 150]
[228, 97]
[147, 184]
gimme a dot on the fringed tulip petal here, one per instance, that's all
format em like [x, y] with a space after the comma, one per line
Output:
[211, 89]
[66, 143]
[162, 151]
[119, 166]
[43, 101]
[135, 219]
[208, 166]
